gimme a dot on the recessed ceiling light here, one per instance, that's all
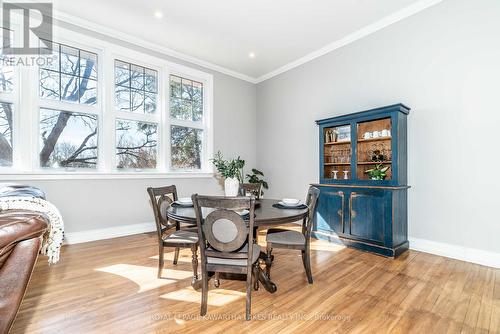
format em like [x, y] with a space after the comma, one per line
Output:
[251, 55]
[158, 14]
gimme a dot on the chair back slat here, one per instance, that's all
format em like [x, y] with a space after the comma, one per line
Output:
[223, 232]
[161, 198]
[312, 203]
[253, 188]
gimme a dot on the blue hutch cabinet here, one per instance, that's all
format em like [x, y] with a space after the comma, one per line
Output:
[363, 180]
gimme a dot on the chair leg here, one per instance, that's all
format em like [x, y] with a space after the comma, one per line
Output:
[216, 280]
[249, 295]
[306, 259]
[204, 293]
[176, 255]
[255, 275]
[269, 260]
[160, 261]
[194, 262]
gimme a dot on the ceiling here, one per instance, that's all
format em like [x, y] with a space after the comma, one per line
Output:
[225, 32]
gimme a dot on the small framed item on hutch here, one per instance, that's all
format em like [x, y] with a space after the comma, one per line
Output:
[363, 180]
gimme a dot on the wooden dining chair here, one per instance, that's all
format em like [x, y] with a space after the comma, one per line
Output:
[169, 232]
[288, 239]
[252, 188]
[226, 246]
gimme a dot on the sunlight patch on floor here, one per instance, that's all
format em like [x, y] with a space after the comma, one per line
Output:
[216, 297]
[322, 245]
[146, 277]
[184, 256]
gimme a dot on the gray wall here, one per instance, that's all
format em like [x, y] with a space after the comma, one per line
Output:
[444, 63]
[95, 204]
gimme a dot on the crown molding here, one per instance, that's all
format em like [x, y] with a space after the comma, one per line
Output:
[113, 33]
[359, 34]
[363, 32]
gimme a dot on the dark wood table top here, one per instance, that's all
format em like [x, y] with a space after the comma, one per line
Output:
[265, 214]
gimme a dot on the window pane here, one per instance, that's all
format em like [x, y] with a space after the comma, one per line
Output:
[150, 103]
[49, 84]
[71, 76]
[122, 73]
[6, 77]
[88, 91]
[70, 60]
[88, 65]
[186, 147]
[137, 101]
[137, 77]
[175, 86]
[186, 102]
[69, 88]
[5, 134]
[122, 98]
[52, 62]
[67, 139]
[135, 88]
[151, 78]
[136, 144]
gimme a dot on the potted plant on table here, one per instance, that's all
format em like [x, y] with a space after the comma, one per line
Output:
[231, 171]
[255, 177]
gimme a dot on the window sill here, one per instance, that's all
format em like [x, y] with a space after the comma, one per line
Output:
[102, 176]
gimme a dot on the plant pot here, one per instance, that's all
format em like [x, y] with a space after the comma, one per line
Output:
[231, 186]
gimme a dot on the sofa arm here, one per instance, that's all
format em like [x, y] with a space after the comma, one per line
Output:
[20, 240]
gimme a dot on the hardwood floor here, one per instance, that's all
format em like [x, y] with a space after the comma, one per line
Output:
[110, 286]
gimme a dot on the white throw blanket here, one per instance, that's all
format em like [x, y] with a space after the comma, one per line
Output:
[53, 238]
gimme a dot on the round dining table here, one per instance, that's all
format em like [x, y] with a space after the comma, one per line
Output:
[266, 215]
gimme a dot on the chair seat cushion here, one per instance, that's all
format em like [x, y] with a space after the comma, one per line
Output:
[285, 237]
[181, 237]
[236, 262]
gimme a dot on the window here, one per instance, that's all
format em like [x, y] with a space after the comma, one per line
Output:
[100, 108]
[71, 76]
[136, 144]
[186, 131]
[135, 88]
[138, 118]
[69, 114]
[7, 81]
[68, 139]
[5, 134]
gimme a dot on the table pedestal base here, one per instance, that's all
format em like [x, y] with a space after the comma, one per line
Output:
[264, 279]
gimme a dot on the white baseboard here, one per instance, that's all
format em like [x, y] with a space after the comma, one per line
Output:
[108, 233]
[474, 255]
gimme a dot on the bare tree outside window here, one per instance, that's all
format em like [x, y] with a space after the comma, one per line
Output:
[71, 77]
[76, 144]
[5, 134]
[69, 139]
[136, 144]
[135, 88]
[186, 104]
[186, 147]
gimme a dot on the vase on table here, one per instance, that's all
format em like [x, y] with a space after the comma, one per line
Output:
[231, 187]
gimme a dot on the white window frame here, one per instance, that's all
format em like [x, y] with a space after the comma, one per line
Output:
[27, 103]
[153, 63]
[205, 124]
[13, 98]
